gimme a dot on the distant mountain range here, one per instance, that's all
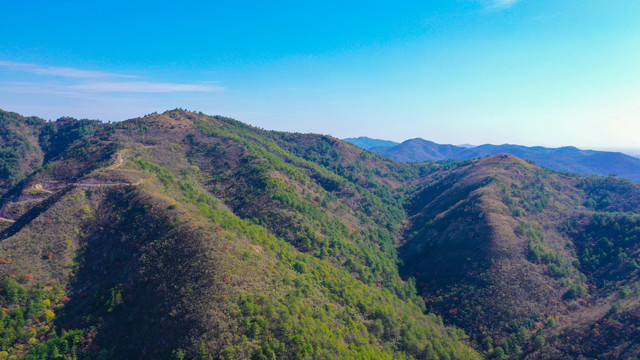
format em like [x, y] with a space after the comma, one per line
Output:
[568, 158]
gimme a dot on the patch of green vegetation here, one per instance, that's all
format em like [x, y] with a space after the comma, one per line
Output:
[575, 291]
[14, 147]
[532, 197]
[27, 329]
[558, 264]
[610, 194]
[606, 245]
[56, 137]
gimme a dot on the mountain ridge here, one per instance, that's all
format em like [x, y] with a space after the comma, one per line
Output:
[567, 158]
[187, 236]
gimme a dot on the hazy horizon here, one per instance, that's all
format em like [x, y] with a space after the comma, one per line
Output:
[533, 73]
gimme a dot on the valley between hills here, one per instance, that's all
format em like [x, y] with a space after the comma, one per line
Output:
[187, 236]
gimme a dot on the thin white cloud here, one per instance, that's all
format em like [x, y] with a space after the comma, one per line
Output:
[504, 3]
[66, 72]
[75, 90]
[144, 87]
[76, 82]
[22, 87]
[493, 5]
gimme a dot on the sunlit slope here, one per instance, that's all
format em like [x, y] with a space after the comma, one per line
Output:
[180, 235]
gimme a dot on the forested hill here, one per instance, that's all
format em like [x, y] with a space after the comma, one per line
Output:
[180, 235]
[186, 236]
[531, 263]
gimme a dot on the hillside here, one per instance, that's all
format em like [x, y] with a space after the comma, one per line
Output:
[532, 263]
[564, 159]
[186, 236]
[181, 235]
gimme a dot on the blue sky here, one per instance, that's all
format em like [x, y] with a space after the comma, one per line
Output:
[532, 72]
